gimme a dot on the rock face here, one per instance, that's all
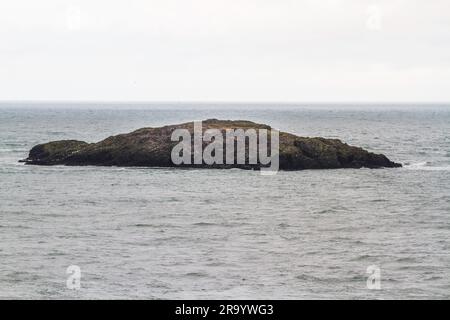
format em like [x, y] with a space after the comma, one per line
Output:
[152, 147]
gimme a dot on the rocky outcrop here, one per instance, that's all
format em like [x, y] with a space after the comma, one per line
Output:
[152, 147]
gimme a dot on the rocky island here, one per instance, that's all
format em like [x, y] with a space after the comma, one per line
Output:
[152, 147]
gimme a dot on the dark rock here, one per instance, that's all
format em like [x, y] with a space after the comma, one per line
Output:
[55, 152]
[151, 147]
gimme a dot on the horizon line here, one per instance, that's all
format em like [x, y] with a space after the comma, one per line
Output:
[232, 102]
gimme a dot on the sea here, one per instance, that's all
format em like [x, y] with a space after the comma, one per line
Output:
[158, 233]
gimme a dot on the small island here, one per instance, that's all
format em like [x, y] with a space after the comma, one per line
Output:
[152, 147]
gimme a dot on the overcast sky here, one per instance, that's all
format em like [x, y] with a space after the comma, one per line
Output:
[225, 50]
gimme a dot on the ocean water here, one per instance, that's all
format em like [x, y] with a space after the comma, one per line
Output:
[156, 233]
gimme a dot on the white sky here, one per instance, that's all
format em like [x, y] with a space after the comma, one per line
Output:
[225, 50]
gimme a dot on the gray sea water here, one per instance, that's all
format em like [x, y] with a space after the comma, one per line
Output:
[168, 233]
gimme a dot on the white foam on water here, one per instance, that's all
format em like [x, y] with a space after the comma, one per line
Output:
[426, 166]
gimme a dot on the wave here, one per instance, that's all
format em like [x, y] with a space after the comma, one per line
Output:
[426, 165]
